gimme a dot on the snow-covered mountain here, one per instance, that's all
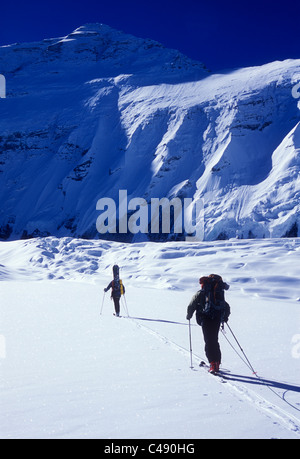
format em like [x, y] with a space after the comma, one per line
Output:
[100, 111]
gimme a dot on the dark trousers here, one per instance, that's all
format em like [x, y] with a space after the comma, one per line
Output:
[210, 329]
[117, 304]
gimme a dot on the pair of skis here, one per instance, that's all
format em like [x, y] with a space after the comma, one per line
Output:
[219, 373]
[204, 365]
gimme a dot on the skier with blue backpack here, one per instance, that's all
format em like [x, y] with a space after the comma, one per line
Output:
[117, 289]
[211, 312]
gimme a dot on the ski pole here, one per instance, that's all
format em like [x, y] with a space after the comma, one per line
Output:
[102, 303]
[250, 366]
[125, 302]
[190, 337]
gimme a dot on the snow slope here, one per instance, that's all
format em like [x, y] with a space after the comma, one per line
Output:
[100, 111]
[69, 372]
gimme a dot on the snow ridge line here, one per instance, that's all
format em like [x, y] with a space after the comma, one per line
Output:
[287, 420]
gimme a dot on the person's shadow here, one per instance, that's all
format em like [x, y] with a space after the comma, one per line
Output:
[260, 381]
[159, 320]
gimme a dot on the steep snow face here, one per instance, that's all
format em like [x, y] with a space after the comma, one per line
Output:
[99, 111]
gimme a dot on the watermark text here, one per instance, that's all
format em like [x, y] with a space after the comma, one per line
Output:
[296, 91]
[2, 87]
[296, 346]
[159, 216]
[2, 347]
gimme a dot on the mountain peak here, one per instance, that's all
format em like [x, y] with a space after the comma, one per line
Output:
[104, 51]
[92, 28]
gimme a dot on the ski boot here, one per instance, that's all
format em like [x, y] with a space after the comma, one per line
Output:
[214, 367]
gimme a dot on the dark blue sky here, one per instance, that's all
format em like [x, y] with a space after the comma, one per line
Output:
[221, 34]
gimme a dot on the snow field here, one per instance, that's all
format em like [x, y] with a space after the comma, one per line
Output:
[70, 372]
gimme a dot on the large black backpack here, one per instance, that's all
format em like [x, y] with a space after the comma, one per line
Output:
[215, 305]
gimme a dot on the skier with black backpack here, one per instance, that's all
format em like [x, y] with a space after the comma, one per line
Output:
[117, 289]
[211, 311]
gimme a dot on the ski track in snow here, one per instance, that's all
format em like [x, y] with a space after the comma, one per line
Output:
[286, 419]
[263, 275]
